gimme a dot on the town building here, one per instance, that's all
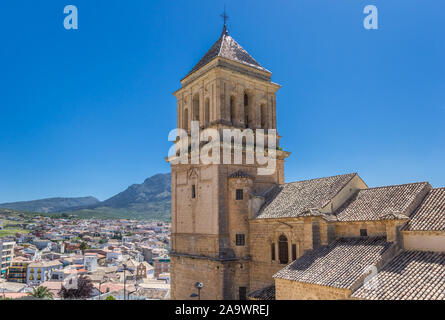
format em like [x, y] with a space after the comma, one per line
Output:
[147, 253]
[6, 256]
[144, 270]
[161, 265]
[90, 262]
[17, 271]
[39, 272]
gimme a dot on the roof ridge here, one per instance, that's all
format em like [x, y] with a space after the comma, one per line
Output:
[330, 200]
[222, 42]
[360, 239]
[420, 252]
[396, 185]
[307, 180]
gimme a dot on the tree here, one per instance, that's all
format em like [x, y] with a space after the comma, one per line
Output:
[83, 291]
[110, 298]
[83, 246]
[117, 235]
[41, 293]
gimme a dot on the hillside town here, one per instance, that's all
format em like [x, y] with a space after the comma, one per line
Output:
[121, 259]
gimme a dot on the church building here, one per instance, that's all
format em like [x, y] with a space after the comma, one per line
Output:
[248, 236]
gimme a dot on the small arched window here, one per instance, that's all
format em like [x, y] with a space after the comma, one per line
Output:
[246, 110]
[207, 112]
[263, 116]
[195, 109]
[185, 119]
[232, 110]
[272, 251]
[283, 250]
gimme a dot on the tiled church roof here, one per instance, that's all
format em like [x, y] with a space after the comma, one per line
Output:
[339, 264]
[383, 202]
[227, 47]
[297, 198]
[412, 275]
[431, 213]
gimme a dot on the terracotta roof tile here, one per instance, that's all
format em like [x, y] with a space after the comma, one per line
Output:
[297, 198]
[227, 47]
[412, 275]
[267, 293]
[339, 264]
[391, 202]
[430, 216]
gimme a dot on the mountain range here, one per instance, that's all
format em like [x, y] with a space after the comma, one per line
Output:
[149, 200]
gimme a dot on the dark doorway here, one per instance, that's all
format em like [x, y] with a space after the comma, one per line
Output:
[242, 293]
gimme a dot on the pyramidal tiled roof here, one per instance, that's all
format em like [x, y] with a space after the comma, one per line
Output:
[227, 47]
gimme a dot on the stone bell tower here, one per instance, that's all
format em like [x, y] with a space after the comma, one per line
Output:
[212, 203]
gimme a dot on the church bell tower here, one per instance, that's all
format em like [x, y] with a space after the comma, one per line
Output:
[212, 203]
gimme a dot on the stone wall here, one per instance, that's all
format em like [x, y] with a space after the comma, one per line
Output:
[195, 244]
[424, 240]
[185, 272]
[199, 214]
[352, 229]
[222, 279]
[261, 274]
[291, 290]
[263, 234]
[238, 214]
[236, 275]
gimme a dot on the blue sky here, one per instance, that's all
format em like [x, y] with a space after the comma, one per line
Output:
[87, 112]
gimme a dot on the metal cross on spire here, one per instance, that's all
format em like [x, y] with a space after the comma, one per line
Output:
[225, 17]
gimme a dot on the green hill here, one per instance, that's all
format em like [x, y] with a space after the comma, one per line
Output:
[50, 205]
[149, 200]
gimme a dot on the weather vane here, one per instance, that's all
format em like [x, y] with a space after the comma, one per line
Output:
[225, 16]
